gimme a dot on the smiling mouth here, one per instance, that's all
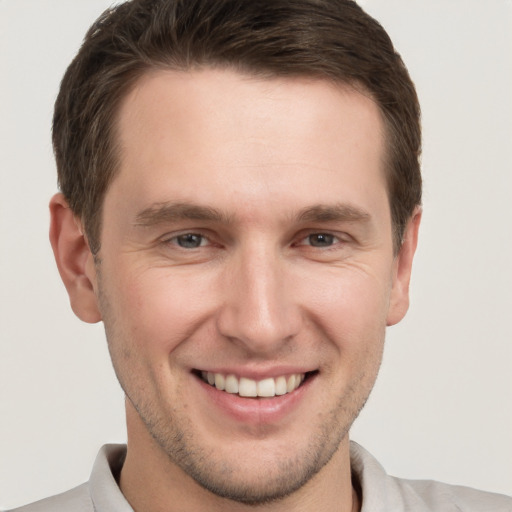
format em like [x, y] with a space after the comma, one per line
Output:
[249, 388]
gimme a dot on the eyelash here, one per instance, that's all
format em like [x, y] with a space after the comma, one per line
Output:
[333, 240]
[174, 240]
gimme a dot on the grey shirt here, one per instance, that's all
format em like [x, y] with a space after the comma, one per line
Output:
[380, 492]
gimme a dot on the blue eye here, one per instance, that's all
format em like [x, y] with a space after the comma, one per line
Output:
[190, 240]
[321, 240]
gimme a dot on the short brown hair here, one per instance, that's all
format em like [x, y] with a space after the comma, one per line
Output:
[331, 39]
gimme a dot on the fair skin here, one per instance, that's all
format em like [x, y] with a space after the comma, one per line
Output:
[247, 238]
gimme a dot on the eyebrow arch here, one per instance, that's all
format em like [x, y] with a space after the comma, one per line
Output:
[333, 213]
[160, 213]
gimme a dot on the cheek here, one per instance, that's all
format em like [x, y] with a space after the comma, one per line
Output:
[159, 309]
[351, 305]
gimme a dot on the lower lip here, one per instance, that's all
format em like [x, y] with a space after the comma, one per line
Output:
[256, 410]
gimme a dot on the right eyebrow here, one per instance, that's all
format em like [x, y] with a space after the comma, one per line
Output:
[160, 213]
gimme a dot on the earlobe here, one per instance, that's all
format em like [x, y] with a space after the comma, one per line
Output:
[399, 302]
[74, 260]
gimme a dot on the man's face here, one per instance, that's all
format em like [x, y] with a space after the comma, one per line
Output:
[247, 240]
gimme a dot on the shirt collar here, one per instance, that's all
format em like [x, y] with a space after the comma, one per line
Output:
[103, 486]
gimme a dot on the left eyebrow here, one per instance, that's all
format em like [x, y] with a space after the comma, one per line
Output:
[160, 213]
[333, 213]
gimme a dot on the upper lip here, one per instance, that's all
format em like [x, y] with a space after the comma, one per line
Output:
[257, 373]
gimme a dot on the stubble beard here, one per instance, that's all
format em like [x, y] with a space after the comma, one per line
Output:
[226, 478]
[173, 432]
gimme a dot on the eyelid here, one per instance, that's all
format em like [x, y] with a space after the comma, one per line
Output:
[338, 237]
[172, 237]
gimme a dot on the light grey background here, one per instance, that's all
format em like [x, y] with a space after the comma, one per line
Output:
[442, 407]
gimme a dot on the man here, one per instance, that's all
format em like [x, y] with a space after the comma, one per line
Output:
[240, 206]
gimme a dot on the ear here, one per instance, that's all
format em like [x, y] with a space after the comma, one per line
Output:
[399, 303]
[74, 260]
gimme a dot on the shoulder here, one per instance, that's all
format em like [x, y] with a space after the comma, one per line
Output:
[443, 497]
[100, 494]
[382, 492]
[74, 500]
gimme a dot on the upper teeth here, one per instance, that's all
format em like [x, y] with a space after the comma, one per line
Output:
[252, 388]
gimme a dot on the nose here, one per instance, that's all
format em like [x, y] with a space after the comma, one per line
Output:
[259, 310]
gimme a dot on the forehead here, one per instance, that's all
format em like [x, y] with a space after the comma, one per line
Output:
[233, 99]
[203, 134]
